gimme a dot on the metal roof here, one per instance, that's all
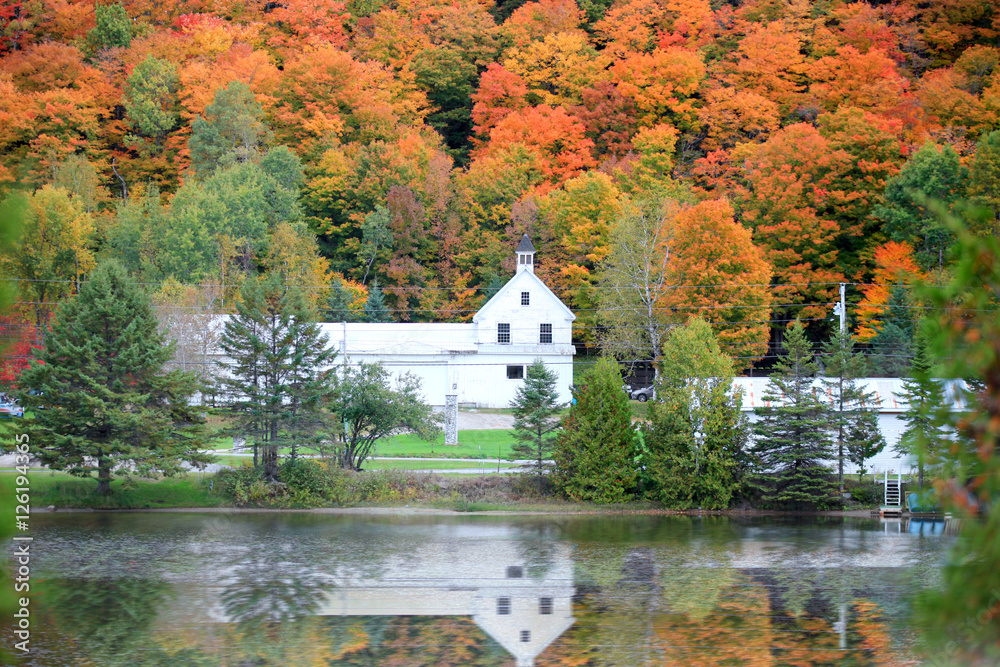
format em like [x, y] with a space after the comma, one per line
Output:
[887, 391]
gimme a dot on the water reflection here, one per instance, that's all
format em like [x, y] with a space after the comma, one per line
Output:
[321, 590]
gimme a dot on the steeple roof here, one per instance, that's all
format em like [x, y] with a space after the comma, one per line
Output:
[525, 245]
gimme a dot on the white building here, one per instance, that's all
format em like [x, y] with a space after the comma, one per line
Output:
[477, 364]
[891, 407]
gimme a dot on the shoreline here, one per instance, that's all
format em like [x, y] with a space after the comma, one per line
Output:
[434, 511]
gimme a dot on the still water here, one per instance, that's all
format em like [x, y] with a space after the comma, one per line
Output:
[262, 589]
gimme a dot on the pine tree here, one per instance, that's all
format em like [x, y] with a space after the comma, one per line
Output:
[536, 408]
[891, 346]
[695, 440]
[338, 306]
[792, 437]
[375, 309]
[923, 437]
[595, 451]
[276, 368]
[854, 417]
[108, 404]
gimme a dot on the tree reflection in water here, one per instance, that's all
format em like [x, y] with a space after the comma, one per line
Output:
[627, 592]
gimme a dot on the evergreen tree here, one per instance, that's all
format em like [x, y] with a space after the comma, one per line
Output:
[792, 438]
[536, 407]
[923, 437]
[854, 416]
[595, 451]
[109, 405]
[375, 309]
[891, 346]
[338, 305]
[276, 368]
[694, 443]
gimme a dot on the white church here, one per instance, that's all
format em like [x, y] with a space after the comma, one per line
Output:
[478, 364]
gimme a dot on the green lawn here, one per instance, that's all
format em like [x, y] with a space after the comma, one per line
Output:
[486, 444]
[62, 490]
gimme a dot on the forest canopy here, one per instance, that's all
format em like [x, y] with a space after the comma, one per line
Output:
[764, 151]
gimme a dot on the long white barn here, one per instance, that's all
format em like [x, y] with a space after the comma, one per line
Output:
[478, 364]
[891, 407]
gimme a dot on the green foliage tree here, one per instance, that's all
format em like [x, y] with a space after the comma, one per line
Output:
[694, 446]
[855, 417]
[233, 123]
[113, 29]
[984, 183]
[109, 407]
[964, 332]
[536, 423]
[370, 409]
[238, 204]
[150, 98]
[930, 173]
[52, 253]
[595, 451]
[792, 438]
[375, 309]
[276, 369]
[923, 438]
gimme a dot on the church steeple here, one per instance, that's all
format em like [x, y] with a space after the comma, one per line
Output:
[525, 255]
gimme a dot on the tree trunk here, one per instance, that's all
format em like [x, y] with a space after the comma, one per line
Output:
[103, 476]
[270, 461]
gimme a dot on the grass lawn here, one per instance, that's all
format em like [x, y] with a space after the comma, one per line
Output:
[486, 444]
[63, 490]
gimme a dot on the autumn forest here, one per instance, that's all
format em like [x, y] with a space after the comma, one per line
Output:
[734, 160]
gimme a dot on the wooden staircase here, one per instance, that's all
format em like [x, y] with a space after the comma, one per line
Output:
[893, 495]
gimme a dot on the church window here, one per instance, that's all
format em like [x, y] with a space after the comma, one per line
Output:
[545, 606]
[545, 333]
[525, 298]
[503, 606]
[515, 372]
[525, 635]
[503, 333]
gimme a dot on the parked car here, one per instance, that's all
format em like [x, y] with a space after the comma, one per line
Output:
[9, 409]
[642, 395]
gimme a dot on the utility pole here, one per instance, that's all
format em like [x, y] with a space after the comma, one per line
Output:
[841, 308]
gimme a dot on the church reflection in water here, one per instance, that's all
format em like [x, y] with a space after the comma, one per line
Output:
[524, 607]
[498, 592]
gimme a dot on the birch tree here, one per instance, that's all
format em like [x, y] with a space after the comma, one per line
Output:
[633, 279]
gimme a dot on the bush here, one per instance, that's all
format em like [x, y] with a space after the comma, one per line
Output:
[868, 494]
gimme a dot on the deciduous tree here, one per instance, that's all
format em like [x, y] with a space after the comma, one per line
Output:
[370, 409]
[694, 446]
[720, 276]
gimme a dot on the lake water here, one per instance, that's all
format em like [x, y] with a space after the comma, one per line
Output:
[262, 589]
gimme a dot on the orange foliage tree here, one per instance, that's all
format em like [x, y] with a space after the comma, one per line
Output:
[722, 277]
[894, 265]
[557, 138]
[661, 84]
